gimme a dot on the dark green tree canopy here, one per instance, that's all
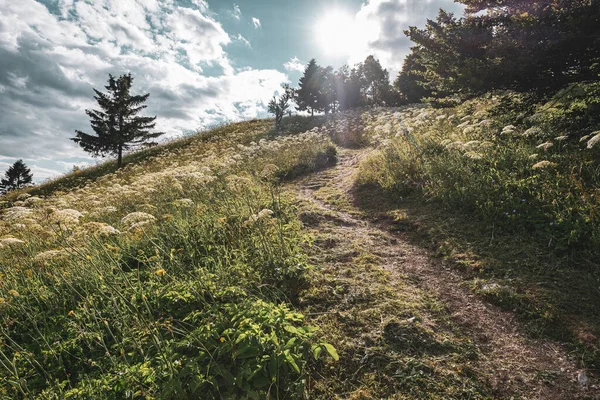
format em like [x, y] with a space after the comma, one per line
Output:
[309, 93]
[523, 45]
[116, 126]
[17, 176]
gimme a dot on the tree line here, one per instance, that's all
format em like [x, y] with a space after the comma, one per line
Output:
[532, 46]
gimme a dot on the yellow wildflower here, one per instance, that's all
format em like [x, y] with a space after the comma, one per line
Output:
[160, 272]
[221, 339]
[14, 293]
[71, 313]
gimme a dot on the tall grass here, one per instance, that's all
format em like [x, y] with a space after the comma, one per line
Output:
[170, 278]
[514, 179]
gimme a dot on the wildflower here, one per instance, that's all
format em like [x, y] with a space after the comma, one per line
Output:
[532, 132]
[545, 146]
[66, 217]
[509, 129]
[160, 272]
[221, 339]
[49, 255]
[71, 313]
[96, 229]
[2, 300]
[533, 156]
[16, 213]
[10, 242]
[544, 164]
[184, 203]
[137, 219]
[561, 138]
[593, 141]
[265, 213]
[14, 293]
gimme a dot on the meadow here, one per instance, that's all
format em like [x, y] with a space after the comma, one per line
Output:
[172, 277]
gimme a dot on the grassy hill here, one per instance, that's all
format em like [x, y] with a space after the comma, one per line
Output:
[236, 264]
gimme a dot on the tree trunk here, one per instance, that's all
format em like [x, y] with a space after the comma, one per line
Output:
[120, 156]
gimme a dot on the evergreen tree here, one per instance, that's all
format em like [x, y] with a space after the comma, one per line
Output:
[375, 82]
[309, 95]
[523, 45]
[410, 82]
[116, 126]
[348, 87]
[328, 97]
[16, 177]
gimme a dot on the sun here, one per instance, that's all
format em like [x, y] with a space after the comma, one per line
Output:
[336, 33]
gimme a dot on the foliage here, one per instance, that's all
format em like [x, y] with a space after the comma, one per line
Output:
[515, 179]
[309, 92]
[281, 106]
[117, 127]
[170, 278]
[17, 176]
[538, 46]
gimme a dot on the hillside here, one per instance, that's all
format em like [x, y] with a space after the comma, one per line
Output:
[374, 253]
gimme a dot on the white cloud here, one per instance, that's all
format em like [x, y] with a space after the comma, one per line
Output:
[256, 22]
[381, 24]
[237, 13]
[242, 39]
[294, 65]
[49, 65]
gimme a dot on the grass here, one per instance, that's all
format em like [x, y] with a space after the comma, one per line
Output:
[173, 277]
[526, 236]
[395, 341]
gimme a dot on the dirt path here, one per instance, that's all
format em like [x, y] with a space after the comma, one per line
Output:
[512, 364]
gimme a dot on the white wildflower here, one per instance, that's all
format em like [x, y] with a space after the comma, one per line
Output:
[561, 138]
[533, 156]
[99, 229]
[593, 141]
[184, 203]
[10, 242]
[137, 219]
[16, 213]
[265, 212]
[66, 217]
[50, 255]
[532, 132]
[544, 164]
[464, 124]
[545, 146]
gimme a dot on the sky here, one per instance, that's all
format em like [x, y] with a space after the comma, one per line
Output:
[203, 62]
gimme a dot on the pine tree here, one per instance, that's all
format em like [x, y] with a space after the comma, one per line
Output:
[375, 82]
[308, 95]
[117, 127]
[16, 177]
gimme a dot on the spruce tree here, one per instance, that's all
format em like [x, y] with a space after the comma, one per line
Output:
[116, 126]
[16, 177]
[308, 95]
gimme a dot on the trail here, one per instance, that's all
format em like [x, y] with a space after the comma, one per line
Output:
[513, 364]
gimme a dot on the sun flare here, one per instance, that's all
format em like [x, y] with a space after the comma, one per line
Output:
[336, 33]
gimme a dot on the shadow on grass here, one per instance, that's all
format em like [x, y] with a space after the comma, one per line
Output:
[552, 295]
